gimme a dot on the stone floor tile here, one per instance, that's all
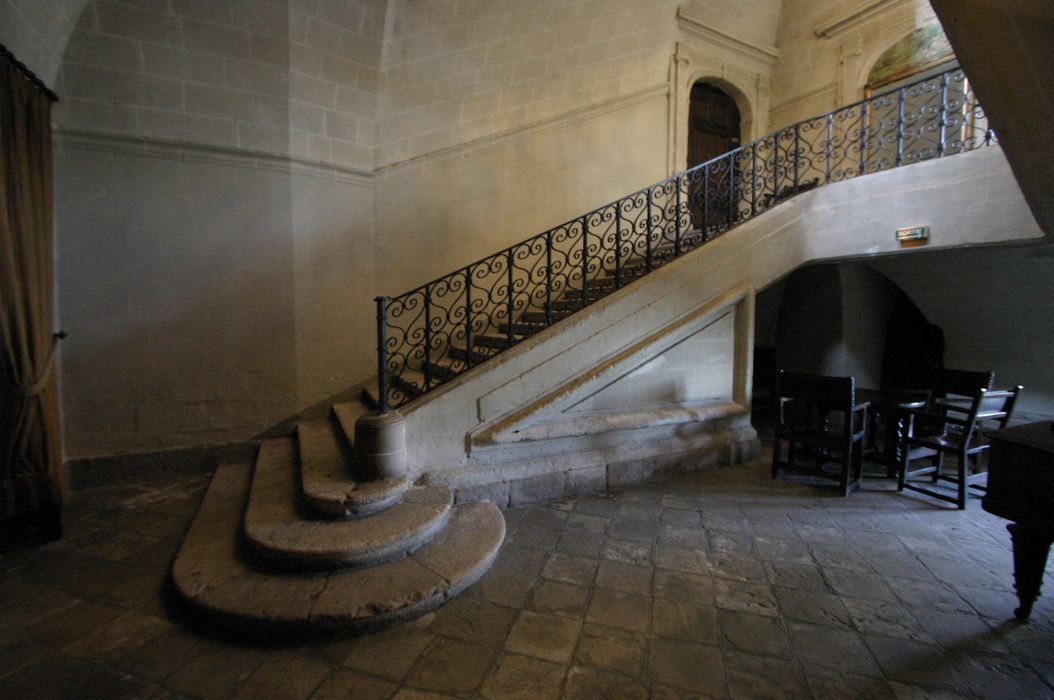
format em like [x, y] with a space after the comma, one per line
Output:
[736, 567]
[516, 677]
[928, 595]
[915, 663]
[834, 649]
[757, 634]
[962, 630]
[618, 576]
[998, 675]
[813, 606]
[675, 619]
[680, 501]
[611, 649]
[570, 569]
[818, 534]
[750, 677]
[730, 542]
[590, 684]
[693, 561]
[451, 666]
[682, 536]
[886, 619]
[678, 517]
[682, 586]
[388, 653]
[634, 530]
[788, 574]
[1029, 640]
[560, 598]
[621, 610]
[544, 636]
[783, 550]
[746, 597]
[853, 584]
[840, 558]
[604, 504]
[582, 523]
[638, 510]
[580, 544]
[34, 608]
[216, 673]
[56, 676]
[284, 675]
[826, 684]
[993, 604]
[342, 684]
[544, 517]
[696, 668]
[533, 537]
[73, 623]
[725, 519]
[113, 640]
[474, 620]
[162, 655]
[628, 552]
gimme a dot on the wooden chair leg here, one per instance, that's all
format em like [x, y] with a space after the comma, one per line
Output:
[964, 464]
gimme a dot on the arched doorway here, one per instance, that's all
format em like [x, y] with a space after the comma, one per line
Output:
[713, 123]
[713, 129]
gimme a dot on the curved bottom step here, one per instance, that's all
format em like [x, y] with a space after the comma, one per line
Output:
[212, 575]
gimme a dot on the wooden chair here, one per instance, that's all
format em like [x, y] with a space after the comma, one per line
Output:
[960, 435]
[820, 423]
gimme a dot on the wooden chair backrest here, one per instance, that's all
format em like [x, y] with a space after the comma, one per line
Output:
[825, 393]
[958, 382]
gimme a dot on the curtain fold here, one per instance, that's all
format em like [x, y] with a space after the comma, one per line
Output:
[29, 416]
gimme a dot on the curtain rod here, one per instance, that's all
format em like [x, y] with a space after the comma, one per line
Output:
[30, 75]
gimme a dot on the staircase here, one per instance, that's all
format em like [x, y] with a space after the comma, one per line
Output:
[312, 537]
[293, 544]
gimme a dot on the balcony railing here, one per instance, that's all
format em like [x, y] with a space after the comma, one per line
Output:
[440, 330]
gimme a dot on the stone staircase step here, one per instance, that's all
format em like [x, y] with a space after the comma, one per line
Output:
[445, 368]
[326, 480]
[213, 578]
[410, 381]
[277, 532]
[493, 340]
[535, 316]
[522, 329]
[478, 354]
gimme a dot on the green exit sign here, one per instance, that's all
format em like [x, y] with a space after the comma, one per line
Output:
[913, 233]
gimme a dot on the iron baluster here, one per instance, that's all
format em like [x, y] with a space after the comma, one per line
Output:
[733, 159]
[775, 167]
[585, 261]
[508, 297]
[863, 137]
[706, 201]
[618, 246]
[428, 338]
[382, 350]
[677, 220]
[943, 115]
[797, 156]
[647, 239]
[754, 179]
[549, 277]
[900, 128]
[830, 144]
[468, 318]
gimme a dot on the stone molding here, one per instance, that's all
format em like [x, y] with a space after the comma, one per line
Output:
[698, 27]
[148, 146]
[844, 22]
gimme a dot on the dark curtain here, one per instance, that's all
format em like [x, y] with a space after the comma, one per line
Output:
[29, 432]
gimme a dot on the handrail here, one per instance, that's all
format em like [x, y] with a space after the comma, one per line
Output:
[445, 327]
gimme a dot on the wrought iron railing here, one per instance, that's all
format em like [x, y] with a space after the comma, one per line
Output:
[438, 331]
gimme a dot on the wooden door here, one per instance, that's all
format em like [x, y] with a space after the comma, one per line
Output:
[713, 129]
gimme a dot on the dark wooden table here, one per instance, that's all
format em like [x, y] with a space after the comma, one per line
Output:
[1021, 489]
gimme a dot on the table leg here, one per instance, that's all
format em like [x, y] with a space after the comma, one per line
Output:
[1030, 558]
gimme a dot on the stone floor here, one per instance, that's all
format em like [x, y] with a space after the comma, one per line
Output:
[722, 584]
